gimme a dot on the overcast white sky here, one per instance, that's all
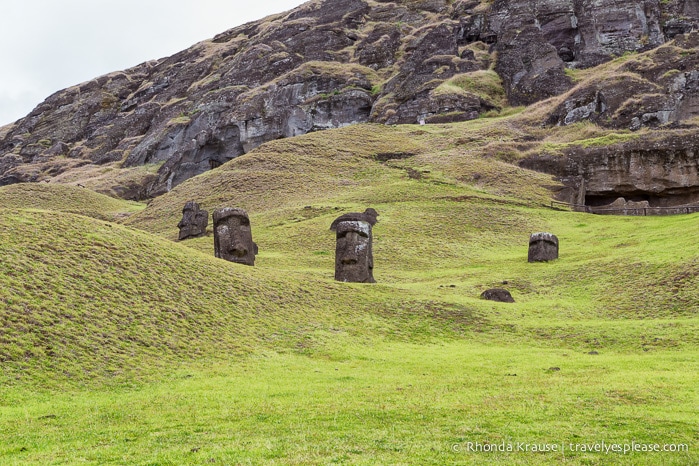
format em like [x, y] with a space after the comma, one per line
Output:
[48, 45]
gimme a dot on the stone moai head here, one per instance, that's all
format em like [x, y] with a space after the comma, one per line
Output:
[354, 260]
[233, 236]
[194, 221]
[543, 247]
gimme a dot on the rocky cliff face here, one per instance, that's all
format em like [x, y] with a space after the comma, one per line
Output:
[331, 63]
[656, 169]
[649, 90]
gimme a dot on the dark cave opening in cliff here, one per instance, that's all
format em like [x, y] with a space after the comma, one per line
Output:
[666, 199]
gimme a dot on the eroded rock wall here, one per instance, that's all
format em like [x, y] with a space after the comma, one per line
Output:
[661, 170]
[330, 63]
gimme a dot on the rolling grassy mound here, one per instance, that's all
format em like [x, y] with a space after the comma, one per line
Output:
[83, 300]
[193, 360]
[66, 198]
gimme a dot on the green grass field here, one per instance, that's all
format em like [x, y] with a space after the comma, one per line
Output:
[119, 345]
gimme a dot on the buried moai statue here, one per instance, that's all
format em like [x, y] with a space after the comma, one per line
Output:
[194, 221]
[354, 260]
[233, 236]
[543, 247]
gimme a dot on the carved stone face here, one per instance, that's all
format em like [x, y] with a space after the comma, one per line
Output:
[354, 261]
[543, 247]
[194, 221]
[233, 236]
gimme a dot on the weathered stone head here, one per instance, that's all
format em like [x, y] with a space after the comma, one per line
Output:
[543, 247]
[354, 260]
[233, 236]
[194, 221]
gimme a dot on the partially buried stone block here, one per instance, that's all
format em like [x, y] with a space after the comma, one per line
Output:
[233, 236]
[543, 247]
[498, 294]
[194, 221]
[354, 261]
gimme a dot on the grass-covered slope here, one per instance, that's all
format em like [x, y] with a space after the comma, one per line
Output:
[84, 299]
[356, 165]
[193, 360]
[66, 198]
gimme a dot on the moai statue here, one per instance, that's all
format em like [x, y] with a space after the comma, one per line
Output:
[354, 260]
[543, 247]
[194, 221]
[233, 236]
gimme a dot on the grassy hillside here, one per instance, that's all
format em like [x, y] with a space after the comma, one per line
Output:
[66, 198]
[83, 300]
[356, 165]
[120, 345]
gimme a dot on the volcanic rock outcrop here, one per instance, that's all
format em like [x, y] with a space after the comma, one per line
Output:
[658, 168]
[330, 63]
[636, 91]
